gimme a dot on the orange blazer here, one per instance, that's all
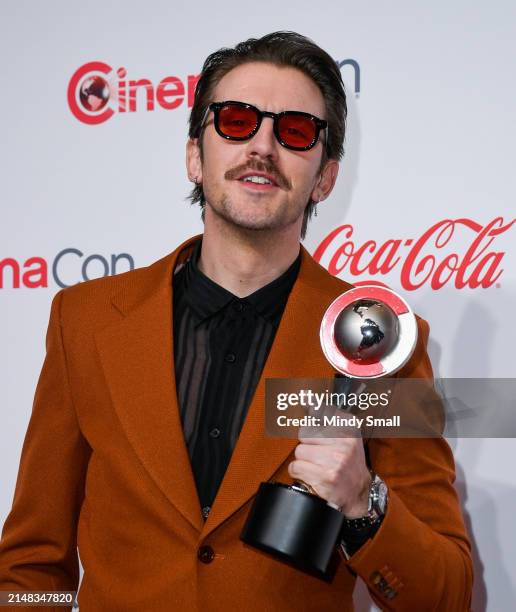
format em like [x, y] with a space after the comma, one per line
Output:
[105, 470]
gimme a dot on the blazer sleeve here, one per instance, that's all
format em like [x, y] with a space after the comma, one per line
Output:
[419, 559]
[38, 549]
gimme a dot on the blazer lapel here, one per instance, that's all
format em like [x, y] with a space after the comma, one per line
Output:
[137, 356]
[295, 353]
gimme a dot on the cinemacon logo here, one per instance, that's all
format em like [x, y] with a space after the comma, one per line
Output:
[96, 91]
[69, 264]
[455, 252]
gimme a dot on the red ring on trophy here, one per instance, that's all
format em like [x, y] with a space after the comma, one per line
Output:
[397, 356]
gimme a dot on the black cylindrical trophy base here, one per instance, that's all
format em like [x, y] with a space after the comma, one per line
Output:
[299, 527]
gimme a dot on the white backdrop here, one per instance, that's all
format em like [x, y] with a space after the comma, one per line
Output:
[431, 138]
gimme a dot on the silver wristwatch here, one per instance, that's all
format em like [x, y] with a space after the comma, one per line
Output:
[378, 494]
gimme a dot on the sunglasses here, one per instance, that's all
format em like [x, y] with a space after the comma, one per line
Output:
[294, 130]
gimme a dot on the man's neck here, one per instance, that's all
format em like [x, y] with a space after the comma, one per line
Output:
[243, 261]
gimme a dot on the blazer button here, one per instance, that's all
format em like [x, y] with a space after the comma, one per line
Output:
[206, 554]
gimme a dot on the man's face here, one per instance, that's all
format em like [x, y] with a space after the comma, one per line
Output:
[261, 207]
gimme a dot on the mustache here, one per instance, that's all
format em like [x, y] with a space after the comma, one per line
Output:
[259, 166]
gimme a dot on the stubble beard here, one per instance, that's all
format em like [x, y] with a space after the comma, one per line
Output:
[278, 219]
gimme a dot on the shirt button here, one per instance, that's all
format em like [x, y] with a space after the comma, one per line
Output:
[230, 358]
[206, 554]
[238, 306]
[205, 511]
[215, 433]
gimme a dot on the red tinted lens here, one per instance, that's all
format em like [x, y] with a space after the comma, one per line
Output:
[297, 130]
[237, 121]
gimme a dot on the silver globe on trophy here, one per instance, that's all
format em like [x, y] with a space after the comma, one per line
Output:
[367, 332]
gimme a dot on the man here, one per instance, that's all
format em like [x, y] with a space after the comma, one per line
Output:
[146, 444]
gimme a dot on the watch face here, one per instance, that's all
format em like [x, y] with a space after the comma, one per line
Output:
[382, 496]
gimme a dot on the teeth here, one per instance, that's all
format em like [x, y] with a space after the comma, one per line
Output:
[258, 179]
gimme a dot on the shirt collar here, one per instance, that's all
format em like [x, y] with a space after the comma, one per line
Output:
[206, 297]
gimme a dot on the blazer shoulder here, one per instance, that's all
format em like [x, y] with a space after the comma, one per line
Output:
[89, 300]
[319, 277]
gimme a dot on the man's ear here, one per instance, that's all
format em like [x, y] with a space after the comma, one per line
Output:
[328, 176]
[193, 160]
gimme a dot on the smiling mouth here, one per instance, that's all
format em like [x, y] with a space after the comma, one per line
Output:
[257, 183]
[257, 186]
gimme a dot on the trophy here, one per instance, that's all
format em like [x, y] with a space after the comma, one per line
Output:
[367, 332]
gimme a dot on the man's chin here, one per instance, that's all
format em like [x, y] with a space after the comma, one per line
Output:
[251, 223]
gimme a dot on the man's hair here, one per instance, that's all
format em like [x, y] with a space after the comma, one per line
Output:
[282, 48]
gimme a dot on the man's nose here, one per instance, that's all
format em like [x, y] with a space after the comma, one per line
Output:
[264, 142]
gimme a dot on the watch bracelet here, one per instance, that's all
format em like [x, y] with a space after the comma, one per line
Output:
[373, 517]
[362, 522]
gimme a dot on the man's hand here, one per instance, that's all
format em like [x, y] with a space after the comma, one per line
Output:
[336, 469]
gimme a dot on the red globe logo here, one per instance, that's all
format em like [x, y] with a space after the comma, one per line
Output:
[94, 93]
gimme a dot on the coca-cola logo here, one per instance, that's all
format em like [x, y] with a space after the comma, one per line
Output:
[430, 259]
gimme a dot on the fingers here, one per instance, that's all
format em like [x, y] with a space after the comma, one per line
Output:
[323, 455]
[335, 471]
[337, 443]
[322, 480]
[308, 472]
